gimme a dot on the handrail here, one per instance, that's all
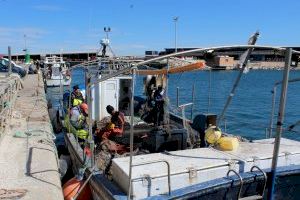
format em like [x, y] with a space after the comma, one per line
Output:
[240, 178]
[274, 101]
[153, 162]
[265, 177]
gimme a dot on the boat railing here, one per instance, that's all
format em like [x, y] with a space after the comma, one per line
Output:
[269, 130]
[8, 94]
[148, 163]
[193, 174]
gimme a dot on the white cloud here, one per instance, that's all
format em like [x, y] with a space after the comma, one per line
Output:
[48, 8]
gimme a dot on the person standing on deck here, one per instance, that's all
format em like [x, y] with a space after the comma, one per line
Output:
[78, 119]
[159, 106]
[116, 125]
[78, 116]
[76, 96]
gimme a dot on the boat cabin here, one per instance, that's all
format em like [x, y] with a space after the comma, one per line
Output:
[56, 71]
[115, 92]
[55, 63]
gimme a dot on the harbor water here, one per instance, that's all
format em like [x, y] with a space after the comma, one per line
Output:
[248, 114]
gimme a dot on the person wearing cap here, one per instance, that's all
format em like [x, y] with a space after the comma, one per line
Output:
[78, 116]
[116, 125]
[76, 96]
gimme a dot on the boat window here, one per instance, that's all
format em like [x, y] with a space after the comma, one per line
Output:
[110, 86]
[55, 71]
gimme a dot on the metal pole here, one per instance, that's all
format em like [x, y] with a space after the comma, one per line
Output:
[272, 111]
[90, 122]
[131, 129]
[209, 91]
[283, 95]
[193, 101]
[9, 59]
[166, 102]
[175, 21]
[176, 36]
[25, 43]
[177, 96]
[243, 63]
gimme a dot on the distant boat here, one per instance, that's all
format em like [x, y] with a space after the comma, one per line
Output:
[56, 72]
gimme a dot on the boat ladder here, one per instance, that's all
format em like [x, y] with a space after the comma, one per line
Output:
[252, 197]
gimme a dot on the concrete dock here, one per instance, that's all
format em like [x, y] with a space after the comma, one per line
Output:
[28, 159]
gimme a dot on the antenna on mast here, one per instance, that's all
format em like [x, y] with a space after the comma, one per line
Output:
[105, 42]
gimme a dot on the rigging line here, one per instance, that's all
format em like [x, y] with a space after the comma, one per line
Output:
[290, 131]
[247, 123]
[294, 124]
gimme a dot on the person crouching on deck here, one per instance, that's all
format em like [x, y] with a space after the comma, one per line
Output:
[116, 125]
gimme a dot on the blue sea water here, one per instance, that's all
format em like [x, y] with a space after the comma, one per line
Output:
[249, 112]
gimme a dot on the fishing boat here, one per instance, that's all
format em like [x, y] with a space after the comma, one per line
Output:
[56, 72]
[166, 161]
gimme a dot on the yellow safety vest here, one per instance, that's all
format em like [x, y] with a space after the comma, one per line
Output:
[81, 133]
[77, 102]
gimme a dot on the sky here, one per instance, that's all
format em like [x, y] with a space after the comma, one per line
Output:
[139, 25]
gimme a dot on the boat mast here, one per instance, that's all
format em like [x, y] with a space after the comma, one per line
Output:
[288, 56]
[90, 138]
[131, 129]
[243, 64]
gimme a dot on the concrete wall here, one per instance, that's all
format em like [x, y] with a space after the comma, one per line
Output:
[265, 64]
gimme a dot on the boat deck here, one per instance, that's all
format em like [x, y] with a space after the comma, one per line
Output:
[28, 164]
[194, 166]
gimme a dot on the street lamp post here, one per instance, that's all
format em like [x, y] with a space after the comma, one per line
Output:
[27, 56]
[105, 42]
[107, 30]
[25, 42]
[175, 22]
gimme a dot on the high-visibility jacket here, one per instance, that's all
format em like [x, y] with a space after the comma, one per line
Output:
[77, 102]
[77, 118]
[76, 99]
[80, 133]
